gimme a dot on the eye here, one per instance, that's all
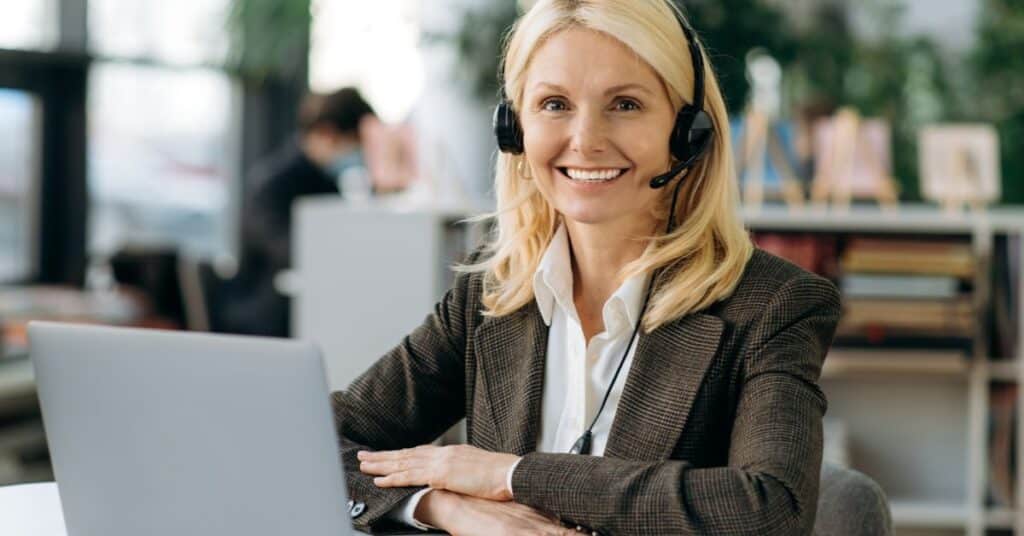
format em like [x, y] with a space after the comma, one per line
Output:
[553, 104]
[633, 105]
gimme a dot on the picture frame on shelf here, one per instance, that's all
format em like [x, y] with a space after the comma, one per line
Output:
[959, 165]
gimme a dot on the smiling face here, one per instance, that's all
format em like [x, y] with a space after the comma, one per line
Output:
[596, 123]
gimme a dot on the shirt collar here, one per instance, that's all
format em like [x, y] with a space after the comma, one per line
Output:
[552, 281]
[552, 285]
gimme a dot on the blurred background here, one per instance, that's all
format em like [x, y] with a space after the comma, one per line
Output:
[258, 166]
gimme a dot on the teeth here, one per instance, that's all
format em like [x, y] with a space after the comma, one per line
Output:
[598, 175]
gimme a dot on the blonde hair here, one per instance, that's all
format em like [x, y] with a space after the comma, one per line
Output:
[704, 256]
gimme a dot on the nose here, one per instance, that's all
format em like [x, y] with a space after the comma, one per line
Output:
[589, 133]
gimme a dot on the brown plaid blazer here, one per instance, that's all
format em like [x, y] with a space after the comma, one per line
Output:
[718, 430]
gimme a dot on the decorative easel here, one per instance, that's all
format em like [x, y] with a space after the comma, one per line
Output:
[849, 166]
[758, 144]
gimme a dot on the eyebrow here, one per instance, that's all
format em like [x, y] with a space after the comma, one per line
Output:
[614, 89]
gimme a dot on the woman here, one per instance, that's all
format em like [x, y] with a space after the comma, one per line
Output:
[609, 316]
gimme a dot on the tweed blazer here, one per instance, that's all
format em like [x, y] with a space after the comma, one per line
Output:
[718, 430]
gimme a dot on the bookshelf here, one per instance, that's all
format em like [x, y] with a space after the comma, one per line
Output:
[918, 422]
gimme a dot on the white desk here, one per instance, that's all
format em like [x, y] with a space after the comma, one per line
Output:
[31, 510]
[35, 510]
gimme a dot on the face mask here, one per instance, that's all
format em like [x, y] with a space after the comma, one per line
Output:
[351, 159]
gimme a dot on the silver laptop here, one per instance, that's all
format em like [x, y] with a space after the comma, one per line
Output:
[159, 433]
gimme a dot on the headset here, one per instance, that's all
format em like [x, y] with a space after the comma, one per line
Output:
[692, 133]
[692, 136]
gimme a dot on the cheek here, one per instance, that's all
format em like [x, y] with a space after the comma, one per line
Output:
[648, 148]
[541, 144]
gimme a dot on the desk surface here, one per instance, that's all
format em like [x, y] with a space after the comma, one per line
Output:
[31, 510]
[34, 510]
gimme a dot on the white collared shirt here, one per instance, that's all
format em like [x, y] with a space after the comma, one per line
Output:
[576, 374]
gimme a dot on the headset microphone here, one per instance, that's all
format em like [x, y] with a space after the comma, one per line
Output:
[661, 180]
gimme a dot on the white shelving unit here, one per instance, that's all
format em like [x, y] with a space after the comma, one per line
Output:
[923, 515]
[922, 433]
[367, 274]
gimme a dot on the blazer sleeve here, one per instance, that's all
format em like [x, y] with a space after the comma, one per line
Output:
[770, 485]
[409, 397]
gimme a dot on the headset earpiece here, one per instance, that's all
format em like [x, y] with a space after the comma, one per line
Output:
[691, 134]
[506, 128]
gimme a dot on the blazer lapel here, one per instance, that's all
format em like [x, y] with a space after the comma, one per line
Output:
[667, 371]
[510, 352]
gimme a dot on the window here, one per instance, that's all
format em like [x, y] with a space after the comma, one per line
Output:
[162, 159]
[28, 24]
[19, 169]
[183, 32]
[163, 139]
[352, 39]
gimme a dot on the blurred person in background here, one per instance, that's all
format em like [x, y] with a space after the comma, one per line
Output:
[328, 146]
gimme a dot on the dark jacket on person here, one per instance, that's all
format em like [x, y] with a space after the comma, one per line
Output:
[254, 306]
[718, 431]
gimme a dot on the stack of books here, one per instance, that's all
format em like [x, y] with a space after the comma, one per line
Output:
[907, 294]
[810, 251]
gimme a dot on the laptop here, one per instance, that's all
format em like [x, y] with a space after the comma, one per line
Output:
[161, 433]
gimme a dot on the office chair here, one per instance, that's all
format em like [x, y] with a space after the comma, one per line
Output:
[195, 290]
[851, 504]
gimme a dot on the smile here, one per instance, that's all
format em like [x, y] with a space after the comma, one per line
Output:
[591, 176]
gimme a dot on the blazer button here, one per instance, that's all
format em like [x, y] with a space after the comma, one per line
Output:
[357, 510]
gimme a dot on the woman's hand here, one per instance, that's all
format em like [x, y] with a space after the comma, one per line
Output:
[460, 468]
[460, 515]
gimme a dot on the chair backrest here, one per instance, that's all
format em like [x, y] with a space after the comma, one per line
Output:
[193, 294]
[851, 504]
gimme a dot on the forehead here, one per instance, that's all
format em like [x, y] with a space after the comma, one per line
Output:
[580, 59]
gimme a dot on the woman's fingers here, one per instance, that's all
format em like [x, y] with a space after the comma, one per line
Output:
[386, 467]
[386, 455]
[400, 479]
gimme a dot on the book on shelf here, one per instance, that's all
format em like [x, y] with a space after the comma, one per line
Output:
[886, 338]
[931, 257]
[812, 252]
[1002, 445]
[899, 286]
[853, 360]
[927, 316]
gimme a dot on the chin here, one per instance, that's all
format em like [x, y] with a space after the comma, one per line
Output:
[588, 215]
